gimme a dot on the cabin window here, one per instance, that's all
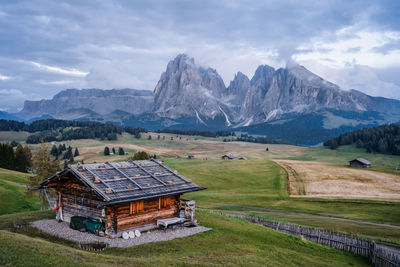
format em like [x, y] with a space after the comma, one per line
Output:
[136, 207]
[165, 202]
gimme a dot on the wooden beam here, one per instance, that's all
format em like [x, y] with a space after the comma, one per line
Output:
[146, 171]
[94, 175]
[124, 174]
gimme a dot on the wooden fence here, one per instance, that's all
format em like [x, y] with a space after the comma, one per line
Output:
[380, 255]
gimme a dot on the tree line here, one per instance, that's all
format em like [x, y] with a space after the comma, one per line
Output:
[383, 139]
[68, 155]
[196, 132]
[19, 159]
[135, 131]
[61, 130]
[107, 151]
[253, 139]
[107, 131]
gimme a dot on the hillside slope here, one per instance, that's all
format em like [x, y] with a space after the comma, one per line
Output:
[13, 197]
[232, 242]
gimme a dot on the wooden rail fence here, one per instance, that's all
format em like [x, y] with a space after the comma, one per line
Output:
[379, 255]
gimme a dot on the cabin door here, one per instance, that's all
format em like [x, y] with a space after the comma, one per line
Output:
[59, 214]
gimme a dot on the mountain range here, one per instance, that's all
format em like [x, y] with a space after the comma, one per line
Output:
[290, 104]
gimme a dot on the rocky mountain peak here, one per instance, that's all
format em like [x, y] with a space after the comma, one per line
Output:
[196, 95]
[186, 89]
[263, 73]
[238, 88]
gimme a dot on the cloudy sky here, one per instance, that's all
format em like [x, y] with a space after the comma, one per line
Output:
[47, 45]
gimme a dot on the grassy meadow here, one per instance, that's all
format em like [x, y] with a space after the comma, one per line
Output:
[230, 243]
[13, 193]
[257, 186]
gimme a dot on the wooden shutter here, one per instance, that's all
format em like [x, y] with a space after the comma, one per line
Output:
[139, 206]
[132, 208]
[136, 207]
[165, 202]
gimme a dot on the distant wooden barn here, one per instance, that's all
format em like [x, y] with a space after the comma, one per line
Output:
[229, 156]
[123, 195]
[360, 162]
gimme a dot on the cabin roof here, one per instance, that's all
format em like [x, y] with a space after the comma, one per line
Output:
[362, 160]
[230, 156]
[117, 182]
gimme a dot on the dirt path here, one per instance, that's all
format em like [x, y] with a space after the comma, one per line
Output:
[296, 185]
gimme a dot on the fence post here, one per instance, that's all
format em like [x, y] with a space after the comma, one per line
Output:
[372, 249]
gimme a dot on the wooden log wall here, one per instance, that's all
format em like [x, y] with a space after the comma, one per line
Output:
[380, 255]
[122, 216]
[77, 199]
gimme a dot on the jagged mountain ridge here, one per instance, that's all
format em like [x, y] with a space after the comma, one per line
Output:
[189, 96]
[186, 90]
[96, 100]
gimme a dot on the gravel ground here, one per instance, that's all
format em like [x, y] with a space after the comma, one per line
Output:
[62, 230]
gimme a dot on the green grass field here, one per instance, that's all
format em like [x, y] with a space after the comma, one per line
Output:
[8, 136]
[230, 243]
[13, 197]
[257, 186]
[344, 154]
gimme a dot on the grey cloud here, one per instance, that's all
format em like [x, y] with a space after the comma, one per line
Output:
[128, 43]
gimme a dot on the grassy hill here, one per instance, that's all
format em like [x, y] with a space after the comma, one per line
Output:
[13, 191]
[257, 186]
[230, 243]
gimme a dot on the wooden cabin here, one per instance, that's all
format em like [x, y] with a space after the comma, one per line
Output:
[229, 157]
[360, 162]
[123, 195]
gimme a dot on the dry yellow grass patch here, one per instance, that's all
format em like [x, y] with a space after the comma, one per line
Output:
[326, 180]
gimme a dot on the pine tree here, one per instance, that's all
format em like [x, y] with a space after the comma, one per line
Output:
[54, 151]
[68, 154]
[106, 151]
[21, 163]
[113, 151]
[60, 149]
[334, 144]
[28, 156]
[76, 153]
[359, 144]
[149, 138]
[121, 151]
[6, 156]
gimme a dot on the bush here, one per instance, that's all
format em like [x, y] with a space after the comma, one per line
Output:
[141, 155]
